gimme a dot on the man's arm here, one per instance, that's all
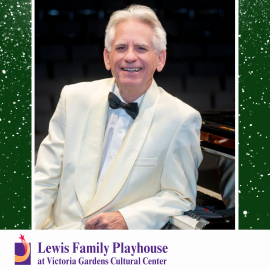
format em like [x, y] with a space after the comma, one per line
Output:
[178, 180]
[49, 165]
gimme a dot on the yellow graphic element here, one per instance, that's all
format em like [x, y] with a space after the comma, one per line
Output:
[25, 256]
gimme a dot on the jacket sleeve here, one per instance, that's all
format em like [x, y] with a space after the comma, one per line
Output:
[178, 182]
[48, 168]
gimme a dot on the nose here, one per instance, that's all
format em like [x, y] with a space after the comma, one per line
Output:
[130, 56]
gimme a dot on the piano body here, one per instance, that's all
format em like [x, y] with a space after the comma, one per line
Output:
[215, 207]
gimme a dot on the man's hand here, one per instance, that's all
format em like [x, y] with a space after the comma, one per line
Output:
[106, 221]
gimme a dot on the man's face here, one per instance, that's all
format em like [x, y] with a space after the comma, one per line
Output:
[132, 58]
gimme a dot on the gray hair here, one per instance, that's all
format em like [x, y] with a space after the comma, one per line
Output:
[142, 14]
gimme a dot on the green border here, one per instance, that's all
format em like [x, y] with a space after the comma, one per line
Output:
[254, 114]
[15, 114]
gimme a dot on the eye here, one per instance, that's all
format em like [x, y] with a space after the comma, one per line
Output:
[120, 48]
[142, 49]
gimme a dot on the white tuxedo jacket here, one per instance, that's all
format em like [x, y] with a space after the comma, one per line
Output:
[153, 176]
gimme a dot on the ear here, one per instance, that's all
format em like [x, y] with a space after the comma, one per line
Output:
[161, 60]
[106, 56]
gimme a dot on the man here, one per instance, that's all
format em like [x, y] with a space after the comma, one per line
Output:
[106, 167]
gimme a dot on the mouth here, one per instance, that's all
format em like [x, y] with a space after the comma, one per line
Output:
[131, 69]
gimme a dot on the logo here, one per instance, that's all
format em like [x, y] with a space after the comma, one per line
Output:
[22, 252]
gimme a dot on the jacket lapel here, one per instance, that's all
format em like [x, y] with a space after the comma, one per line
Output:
[120, 168]
[91, 146]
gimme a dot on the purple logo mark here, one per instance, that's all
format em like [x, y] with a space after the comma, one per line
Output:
[22, 252]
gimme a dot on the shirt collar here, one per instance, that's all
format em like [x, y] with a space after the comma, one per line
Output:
[117, 93]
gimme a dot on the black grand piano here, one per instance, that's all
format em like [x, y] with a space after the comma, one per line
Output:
[214, 210]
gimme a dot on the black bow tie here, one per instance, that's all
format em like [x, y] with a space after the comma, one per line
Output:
[131, 109]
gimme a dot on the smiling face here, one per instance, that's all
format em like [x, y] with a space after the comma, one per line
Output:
[132, 58]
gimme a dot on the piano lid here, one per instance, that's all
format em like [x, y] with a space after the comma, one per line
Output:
[218, 133]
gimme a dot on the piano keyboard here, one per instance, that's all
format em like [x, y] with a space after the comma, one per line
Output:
[210, 213]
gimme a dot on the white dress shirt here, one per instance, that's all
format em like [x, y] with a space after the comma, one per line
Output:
[117, 126]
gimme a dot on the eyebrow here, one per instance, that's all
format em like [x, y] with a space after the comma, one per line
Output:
[121, 43]
[141, 44]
